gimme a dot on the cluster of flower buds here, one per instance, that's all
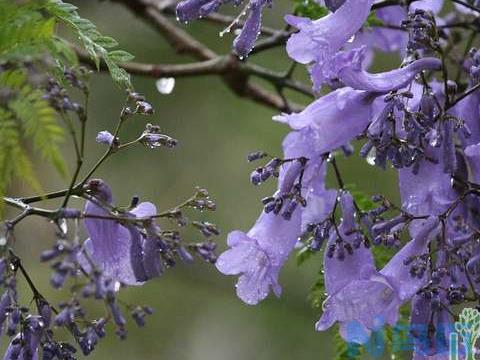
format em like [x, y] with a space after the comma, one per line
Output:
[287, 199]
[66, 266]
[262, 174]
[153, 138]
[422, 31]
[140, 105]
[418, 264]
[59, 99]
[77, 77]
[139, 313]
[205, 250]
[319, 233]
[385, 144]
[207, 229]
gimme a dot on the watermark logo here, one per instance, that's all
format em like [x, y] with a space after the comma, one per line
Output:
[457, 340]
[468, 327]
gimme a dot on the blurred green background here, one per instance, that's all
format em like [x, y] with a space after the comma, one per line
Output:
[198, 315]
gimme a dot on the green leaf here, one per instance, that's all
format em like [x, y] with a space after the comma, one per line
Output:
[373, 20]
[310, 9]
[106, 41]
[94, 43]
[36, 118]
[317, 296]
[120, 56]
[14, 161]
[363, 201]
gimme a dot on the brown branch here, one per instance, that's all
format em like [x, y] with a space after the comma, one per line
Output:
[228, 66]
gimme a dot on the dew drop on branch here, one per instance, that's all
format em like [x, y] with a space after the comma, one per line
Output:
[165, 85]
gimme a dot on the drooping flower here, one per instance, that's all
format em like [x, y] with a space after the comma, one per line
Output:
[188, 10]
[318, 42]
[24, 346]
[362, 299]
[258, 256]
[117, 249]
[337, 118]
[334, 119]
[244, 42]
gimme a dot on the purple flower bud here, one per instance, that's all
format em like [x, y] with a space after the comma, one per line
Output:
[104, 137]
[244, 42]
[334, 5]
[184, 255]
[256, 156]
[144, 108]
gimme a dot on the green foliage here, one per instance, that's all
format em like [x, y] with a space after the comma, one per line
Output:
[14, 161]
[345, 351]
[36, 118]
[317, 294]
[31, 51]
[373, 20]
[310, 9]
[26, 118]
[363, 201]
[96, 45]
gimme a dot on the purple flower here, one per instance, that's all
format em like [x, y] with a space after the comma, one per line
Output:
[244, 42]
[362, 299]
[334, 119]
[257, 256]
[319, 41]
[104, 137]
[24, 346]
[188, 10]
[357, 78]
[429, 192]
[117, 249]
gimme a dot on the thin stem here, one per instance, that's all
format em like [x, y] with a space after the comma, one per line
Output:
[464, 95]
[464, 3]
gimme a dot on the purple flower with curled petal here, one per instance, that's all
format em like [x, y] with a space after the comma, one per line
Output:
[359, 79]
[318, 42]
[337, 118]
[118, 250]
[104, 137]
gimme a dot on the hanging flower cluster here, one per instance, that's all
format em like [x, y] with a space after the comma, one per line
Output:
[419, 119]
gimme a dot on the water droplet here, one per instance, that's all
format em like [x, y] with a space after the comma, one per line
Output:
[165, 85]
[372, 155]
[62, 224]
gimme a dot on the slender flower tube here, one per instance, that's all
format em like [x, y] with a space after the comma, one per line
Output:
[393, 80]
